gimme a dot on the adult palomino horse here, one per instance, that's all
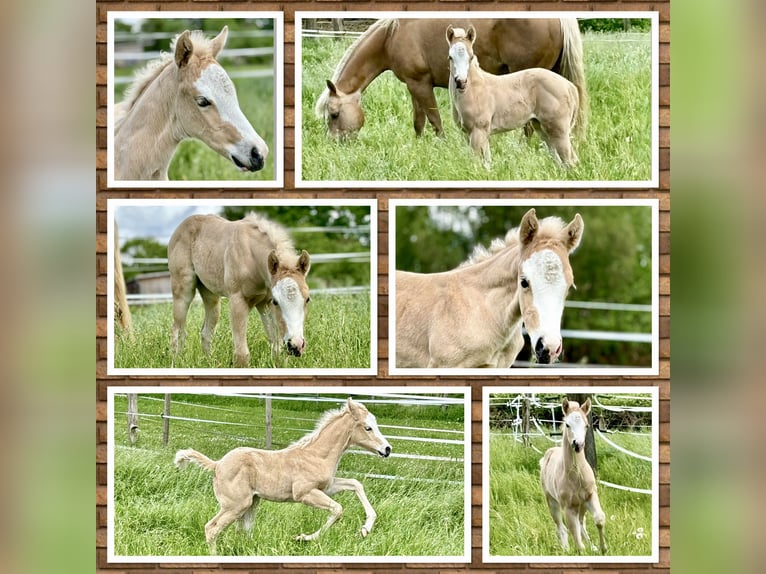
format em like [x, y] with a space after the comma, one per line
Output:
[484, 104]
[303, 472]
[252, 262]
[472, 316]
[186, 95]
[569, 483]
[413, 49]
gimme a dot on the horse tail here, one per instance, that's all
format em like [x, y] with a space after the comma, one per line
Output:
[121, 309]
[571, 67]
[184, 457]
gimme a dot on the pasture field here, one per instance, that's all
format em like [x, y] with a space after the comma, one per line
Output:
[160, 510]
[337, 332]
[617, 146]
[194, 161]
[520, 523]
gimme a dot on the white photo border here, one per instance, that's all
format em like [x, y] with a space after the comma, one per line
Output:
[652, 182]
[350, 391]
[113, 204]
[279, 86]
[654, 392]
[541, 370]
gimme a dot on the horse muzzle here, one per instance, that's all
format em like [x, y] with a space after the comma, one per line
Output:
[255, 162]
[385, 452]
[576, 446]
[543, 353]
[295, 348]
[460, 84]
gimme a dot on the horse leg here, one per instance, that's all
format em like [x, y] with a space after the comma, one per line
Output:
[423, 93]
[341, 484]
[418, 116]
[212, 313]
[319, 499]
[479, 141]
[561, 530]
[272, 331]
[573, 523]
[239, 309]
[594, 507]
[183, 293]
[557, 139]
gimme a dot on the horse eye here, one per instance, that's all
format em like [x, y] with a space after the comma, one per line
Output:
[524, 283]
[275, 302]
[203, 102]
[368, 428]
[308, 300]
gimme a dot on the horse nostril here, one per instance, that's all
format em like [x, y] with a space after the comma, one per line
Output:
[388, 451]
[256, 159]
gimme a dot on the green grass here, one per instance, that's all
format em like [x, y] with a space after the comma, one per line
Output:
[195, 161]
[520, 523]
[337, 331]
[161, 511]
[617, 146]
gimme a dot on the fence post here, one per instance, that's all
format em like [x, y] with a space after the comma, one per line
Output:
[166, 420]
[525, 420]
[133, 417]
[268, 420]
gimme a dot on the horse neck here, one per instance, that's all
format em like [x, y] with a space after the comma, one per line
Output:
[367, 60]
[498, 277]
[332, 439]
[148, 135]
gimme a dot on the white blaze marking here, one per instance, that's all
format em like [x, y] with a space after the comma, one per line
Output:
[287, 293]
[545, 274]
[372, 422]
[460, 61]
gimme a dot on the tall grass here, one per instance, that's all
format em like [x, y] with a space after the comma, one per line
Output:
[161, 511]
[520, 523]
[617, 146]
[337, 331]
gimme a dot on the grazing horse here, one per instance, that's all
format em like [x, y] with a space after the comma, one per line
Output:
[252, 262]
[569, 483]
[413, 49]
[186, 95]
[472, 316]
[484, 104]
[303, 472]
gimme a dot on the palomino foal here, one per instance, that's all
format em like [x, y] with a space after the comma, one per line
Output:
[188, 95]
[569, 483]
[484, 104]
[302, 472]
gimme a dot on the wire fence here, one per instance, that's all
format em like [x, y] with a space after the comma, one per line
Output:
[296, 427]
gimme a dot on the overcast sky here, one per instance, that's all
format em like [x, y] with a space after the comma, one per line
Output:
[156, 221]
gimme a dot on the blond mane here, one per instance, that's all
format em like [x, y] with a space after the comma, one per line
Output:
[277, 234]
[146, 75]
[550, 228]
[390, 23]
[326, 418]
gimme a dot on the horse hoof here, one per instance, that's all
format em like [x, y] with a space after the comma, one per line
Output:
[365, 532]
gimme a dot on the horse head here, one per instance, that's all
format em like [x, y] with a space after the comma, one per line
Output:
[207, 107]
[575, 423]
[460, 54]
[544, 279]
[290, 297]
[365, 432]
[343, 112]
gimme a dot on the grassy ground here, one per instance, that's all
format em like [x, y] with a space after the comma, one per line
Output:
[617, 146]
[161, 511]
[194, 161]
[520, 523]
[337, 332]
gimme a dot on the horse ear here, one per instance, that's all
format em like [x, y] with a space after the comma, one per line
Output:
[353, 408]
[586, 406]
[573, 233]
[332, 88]
[471, 33]
[304, 262]
[273, 262]
[450, 33]
[528, 227]
[565, 406]
[184, 49]
[217, 43]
